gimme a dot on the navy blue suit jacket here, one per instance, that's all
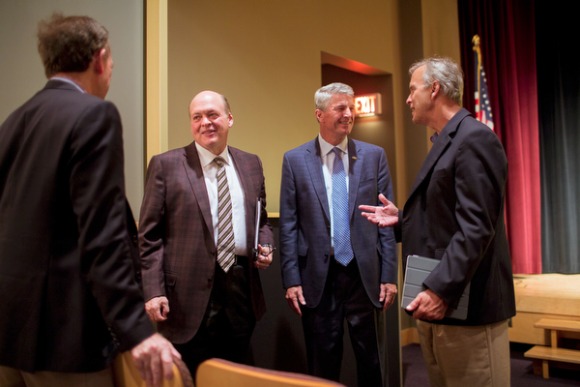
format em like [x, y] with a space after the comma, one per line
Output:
[305, 243]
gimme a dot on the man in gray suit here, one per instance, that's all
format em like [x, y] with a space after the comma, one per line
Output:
[334, 266]
[205, 307]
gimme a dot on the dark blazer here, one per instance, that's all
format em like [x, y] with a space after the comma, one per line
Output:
[455, 213]
[176, 236]
[305, 243]
[66, 268]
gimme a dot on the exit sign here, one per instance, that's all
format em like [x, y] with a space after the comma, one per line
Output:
[367, 105]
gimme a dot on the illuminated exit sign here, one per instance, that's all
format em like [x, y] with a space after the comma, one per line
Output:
[367, 105]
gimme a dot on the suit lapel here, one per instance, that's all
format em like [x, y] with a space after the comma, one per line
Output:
[194, 173]
[249, 185]
[355, 164]
[314, 164]
[439, 147]
[241, 166]
[437, 150]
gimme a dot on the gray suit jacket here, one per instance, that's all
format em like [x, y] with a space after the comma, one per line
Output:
[305, 243]
[176, 237]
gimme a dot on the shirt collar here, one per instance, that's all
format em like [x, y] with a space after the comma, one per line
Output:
[326, 147]
[206, 157]
[69, 81]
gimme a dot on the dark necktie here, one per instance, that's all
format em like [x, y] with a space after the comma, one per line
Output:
[226, 243]
[342, 248]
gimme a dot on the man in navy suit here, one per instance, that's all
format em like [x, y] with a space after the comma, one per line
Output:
[322, 290]
[455, 214]
[68, 255]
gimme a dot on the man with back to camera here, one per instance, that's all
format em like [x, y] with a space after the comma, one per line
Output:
[68, 262]
[200, 274]
[454, 213]
[334, 266]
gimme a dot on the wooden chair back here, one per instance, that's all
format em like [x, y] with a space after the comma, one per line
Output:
[220, 373]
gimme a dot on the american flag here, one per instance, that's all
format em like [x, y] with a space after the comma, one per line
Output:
[482, 106]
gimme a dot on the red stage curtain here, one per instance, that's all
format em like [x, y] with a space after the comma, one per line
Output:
[507, 32]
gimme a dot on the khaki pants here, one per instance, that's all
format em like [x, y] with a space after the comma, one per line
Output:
[10, 377]
[460, 356]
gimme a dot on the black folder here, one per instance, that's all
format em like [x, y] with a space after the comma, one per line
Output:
[417, 270]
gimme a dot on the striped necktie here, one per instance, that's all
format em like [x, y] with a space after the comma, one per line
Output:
[226, 243]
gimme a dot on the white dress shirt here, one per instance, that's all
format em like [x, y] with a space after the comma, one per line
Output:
[236, 193]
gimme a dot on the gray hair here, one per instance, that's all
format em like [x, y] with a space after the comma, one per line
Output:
[445, 71]
[323, 95]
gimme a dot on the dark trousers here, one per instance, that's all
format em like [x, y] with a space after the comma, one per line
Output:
[229, 321]
[344, 298]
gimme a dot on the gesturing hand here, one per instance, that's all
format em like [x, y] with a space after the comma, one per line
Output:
[383, 216]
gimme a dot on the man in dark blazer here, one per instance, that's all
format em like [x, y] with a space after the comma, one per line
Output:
[320, 289]
[68, 253]
[205, 310]
[454, 213]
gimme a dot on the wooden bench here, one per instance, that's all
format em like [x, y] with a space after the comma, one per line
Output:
[553, 352]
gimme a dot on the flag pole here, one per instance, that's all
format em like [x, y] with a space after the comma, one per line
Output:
[475, 40]
[481, 95]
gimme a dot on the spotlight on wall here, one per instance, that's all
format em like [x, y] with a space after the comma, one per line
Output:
[367, 105]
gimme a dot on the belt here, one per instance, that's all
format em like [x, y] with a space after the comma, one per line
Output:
[241, 261]
[350, 265]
